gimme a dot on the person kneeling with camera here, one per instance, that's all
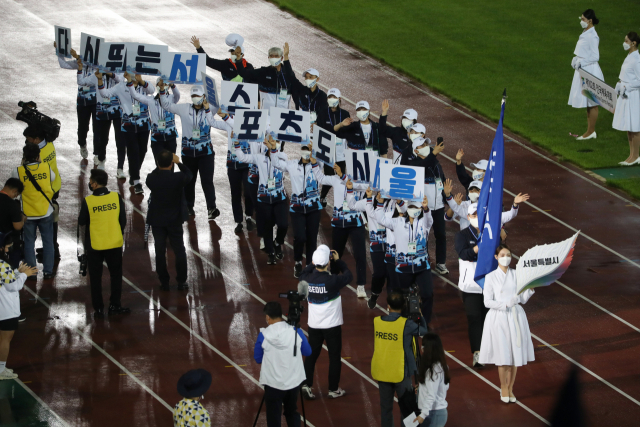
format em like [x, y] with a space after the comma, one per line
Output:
[393, 361]
[280, 352]
[325, 314]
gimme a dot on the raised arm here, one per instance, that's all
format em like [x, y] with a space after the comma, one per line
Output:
[380, 216]
[168, 104]
[427, 218]
[176, 94]
[243, 157]
[143, 99]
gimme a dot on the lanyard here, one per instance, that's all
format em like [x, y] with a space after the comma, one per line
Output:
[473, 233]
[196, 120]
[413, 234]
[278, 79]
[269, 163]
[160, 109]
[329, 113]
[315, 103]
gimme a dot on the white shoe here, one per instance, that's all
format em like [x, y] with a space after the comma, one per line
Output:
[512, 399]
[9, 370]
[361, 292]
[441, 269]
[96, 161]
[84, 152]
[307, 392]
[504, 399]
[476, 360]
[636, 162]
[261, 243]
[100, 166]
[6, 375]
[120, 174]
[592, 136]
[338, 393]
[625, 163]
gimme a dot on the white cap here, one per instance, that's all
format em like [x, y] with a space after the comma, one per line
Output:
[311, 71]
[418, 128]
[197, 90]
[476, 184]
[415, 203]
[482, 164]
[362, 104]
[410, 114]
[418, 142]
[473, 208]
[234, 40]
[335, 92]
[321, 255]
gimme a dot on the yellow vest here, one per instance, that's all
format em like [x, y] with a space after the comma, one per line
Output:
[48, 155]
[387, 364]
[33, 202]
[104, 221]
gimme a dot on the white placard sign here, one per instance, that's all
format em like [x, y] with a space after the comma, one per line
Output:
[63, 41]
[364, 166]
[238, 96]
[144, 58]
[211, 90]
[250, 125]
[90, 47]
[111, 57]
[402, 182]
[290, 125]
[598, 91]
[324, 146]
[183, 67]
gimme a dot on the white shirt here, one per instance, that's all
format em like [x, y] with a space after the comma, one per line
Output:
[11, 282]
[432, 393]
[280, 369]
[587, 47]
[630, 72]
[156, 112]
[366, 131]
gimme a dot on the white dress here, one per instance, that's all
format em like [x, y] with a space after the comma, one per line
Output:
[627, 115]
[506, 339]
[587, 56]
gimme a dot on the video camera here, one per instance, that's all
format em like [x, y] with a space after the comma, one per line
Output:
[32, 117]
[295, 308]
[411, 308]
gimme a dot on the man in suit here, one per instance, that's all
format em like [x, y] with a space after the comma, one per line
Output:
[167, 213]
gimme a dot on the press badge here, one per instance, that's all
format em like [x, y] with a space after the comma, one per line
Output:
[136, 109]
[162, 124]
[411, 248]
[312, 117]
[271, 183]
[282, 96]
[439, 186]
[196, 134]
[345, 206]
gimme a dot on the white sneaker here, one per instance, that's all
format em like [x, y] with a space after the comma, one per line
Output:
[261, 243]
[338, 393]
[84, 152]
[441, 269]
[361, 292]
[6, 375]
[120, 174]
[96, 161]
[308, 393]
[100, 166]
[476, 360]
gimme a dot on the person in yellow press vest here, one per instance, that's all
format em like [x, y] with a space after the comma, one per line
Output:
[34, 135]
[101, 226]
[393, 361]
[37, 207]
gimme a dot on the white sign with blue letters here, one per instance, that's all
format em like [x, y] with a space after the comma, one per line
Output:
[402, 182]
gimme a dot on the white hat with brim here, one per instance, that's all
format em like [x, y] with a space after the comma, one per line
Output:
[321, 255]
[234, 40]
[362, 104]
[482, 164]
[476, 184]
[311, 71]
[410, 114]
[197, 90]
[418, 128]
[418, 142]
[335, 92]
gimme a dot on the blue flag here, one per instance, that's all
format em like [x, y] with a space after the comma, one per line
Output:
[490, 206]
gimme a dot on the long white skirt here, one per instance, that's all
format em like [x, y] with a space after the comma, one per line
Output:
[627, 115]
[500, 338]
[576, 98]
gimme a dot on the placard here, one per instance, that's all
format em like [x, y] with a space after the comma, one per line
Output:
[211, 90]
[144, 58]
[238, 96]
[250, 125]
[598, 91]
[324, 146]
[364, 166]
[290, 125]
[402, 182]
[183, 67]
[62, 36]
[111, 57]
[90, 47]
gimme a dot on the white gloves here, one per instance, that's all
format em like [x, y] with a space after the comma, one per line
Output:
[573, 62]
[514, 300]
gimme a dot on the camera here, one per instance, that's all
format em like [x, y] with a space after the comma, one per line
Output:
[32, 117]
[295, 308]
[83, 264]
[412, 301]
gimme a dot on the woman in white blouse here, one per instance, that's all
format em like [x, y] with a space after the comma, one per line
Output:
[627, 114]
[506, 339]
[434, 383]
[587, 56]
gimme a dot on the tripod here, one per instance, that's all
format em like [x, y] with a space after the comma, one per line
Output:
[304, 415]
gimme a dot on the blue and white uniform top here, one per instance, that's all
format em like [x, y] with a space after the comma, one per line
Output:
[135, 115]
[343, 217]
[271, 188]
[163, 122]
[305, 196]
[86, 94]
[196, 127]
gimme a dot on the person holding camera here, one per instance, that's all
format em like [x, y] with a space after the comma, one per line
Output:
[393, 361]
[38, 179]
[279, 349]
[11, 217]
[104, 215]
[322, 290]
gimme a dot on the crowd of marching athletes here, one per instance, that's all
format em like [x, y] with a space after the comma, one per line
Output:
[397, 230]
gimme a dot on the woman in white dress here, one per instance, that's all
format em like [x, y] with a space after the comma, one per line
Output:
[587, 56]
[627, 115]
[506, 339]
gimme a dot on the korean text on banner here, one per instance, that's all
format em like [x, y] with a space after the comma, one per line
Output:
[90, 47]
[63, 41]
[402, 182]
[183, 67]
[143, 58]
[290, 125]
[598, 91]
[324, 146]
[364, 166]
[250, 125]
[212, 91]
[112, 57]
[237, 96]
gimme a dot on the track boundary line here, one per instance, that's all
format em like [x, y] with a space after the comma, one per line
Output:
[41, 402]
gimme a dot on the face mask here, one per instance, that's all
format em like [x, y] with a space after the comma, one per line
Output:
[310, 83]
[474, 222]
[362, 115]
[333, 102]
[277, 146]
[474, 197]
[413, 136]
[275, 61]
[504, 261]
[626, 46]
[197, 100]
[233, 57]
[477, 175]
[406, 123]
[424, 151]
[583, 24]
[413, 212]
[305, 154]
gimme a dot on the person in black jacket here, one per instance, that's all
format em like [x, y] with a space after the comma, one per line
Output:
[399, 136]
[308, 96]
[365, 134]
[227, 67]
[463, 176]
[167, 212]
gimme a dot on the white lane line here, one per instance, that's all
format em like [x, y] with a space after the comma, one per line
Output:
[41, 403]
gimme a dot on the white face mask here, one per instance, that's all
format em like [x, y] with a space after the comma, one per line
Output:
[305, 154]
[583, 24]
[197, 100]
[504, 261]
[310, 83]
[413, 136]
[333, 102]
[474, 197]
[362, 115]
[626, 46]
[406, 123]
[275, 61]
[277, 146]
[233, 57]
[477, 175]
[474, 221]
[414, 212]
[424, 151]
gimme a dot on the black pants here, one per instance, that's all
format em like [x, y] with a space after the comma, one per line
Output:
[274, 214]
[174, 233]
[103, 127]
[406, 400]
[113, 258]
[274, 400]
[440, 234]
[305, 232]
[136, 151]
[238, 181]
[379, 273]
[476, 312]
[205, 165]
[253, 193]
[161, 144]
[87, 113]
[339, 237]
[423, 280]
[333, 337]
[392, 275]
[328, 170]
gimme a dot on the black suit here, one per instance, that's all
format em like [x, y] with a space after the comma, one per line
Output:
[167, 212]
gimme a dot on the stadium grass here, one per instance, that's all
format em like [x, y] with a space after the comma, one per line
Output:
[471, 50]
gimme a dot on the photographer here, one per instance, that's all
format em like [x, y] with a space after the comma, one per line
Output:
[281, 372]
[104, 215]
[11, 217]
[393, 361]
[322, 290]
